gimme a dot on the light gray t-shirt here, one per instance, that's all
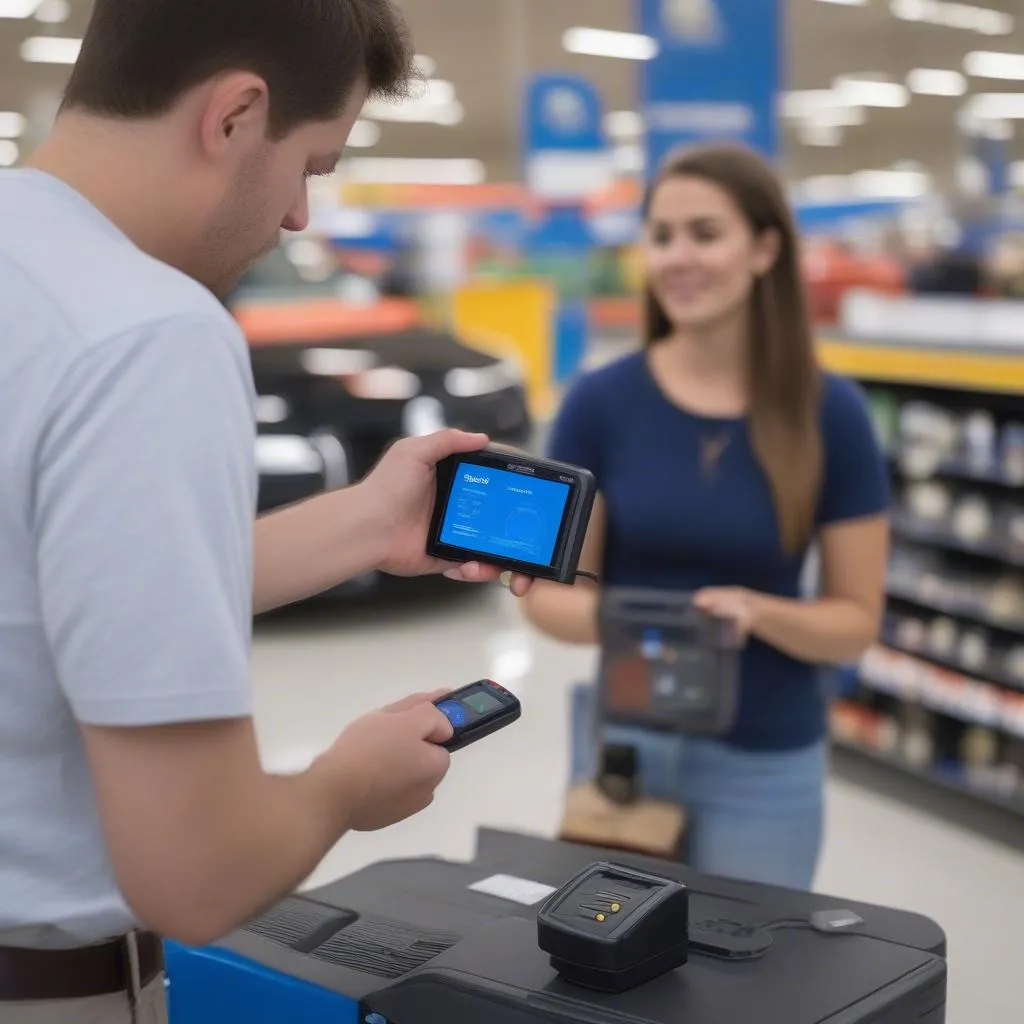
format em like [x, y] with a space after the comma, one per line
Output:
[127, 500]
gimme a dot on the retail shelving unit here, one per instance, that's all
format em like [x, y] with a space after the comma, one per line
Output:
[942, 695]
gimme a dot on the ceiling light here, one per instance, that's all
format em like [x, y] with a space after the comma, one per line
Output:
[424, 65]
[824, 188]
[450, 114]
[936, 82]
[996, 106]
[599, 42]
[869, 92]
[982, 20]
[623, 124]
[846, 3]
[53, 12]
[995, 65]
[8, 153]
[414, 171]
[434, 103]
[18, 8]
[50, 50]
[12, 124]
[890, 184]
[364, 134]
[820, 134]
[1016, 174]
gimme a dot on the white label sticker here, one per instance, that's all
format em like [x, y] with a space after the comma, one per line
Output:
[518, 890]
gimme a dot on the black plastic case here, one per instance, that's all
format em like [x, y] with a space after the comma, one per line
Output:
[665, 664]
[575, 521]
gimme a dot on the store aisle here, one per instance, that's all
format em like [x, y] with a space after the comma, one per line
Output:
[318, 668]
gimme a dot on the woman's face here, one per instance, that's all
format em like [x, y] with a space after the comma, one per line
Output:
[700, 253]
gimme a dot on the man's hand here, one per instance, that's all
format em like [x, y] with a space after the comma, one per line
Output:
[402, 487]
[390, 762]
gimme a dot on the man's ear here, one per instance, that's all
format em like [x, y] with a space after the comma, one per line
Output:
[767, 249]
[235, 112]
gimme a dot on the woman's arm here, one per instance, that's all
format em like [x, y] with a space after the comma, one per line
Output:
[843, 622]
[569, 613]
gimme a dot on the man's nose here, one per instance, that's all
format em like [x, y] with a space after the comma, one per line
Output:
[297, 218]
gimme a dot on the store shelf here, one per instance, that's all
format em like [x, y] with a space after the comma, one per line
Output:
[936, 777]
[926, 367]
[906, 527]
[957, 609]
[987, 674]
[961, 469]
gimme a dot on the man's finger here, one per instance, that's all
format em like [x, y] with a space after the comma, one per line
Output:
[415, 700]
[432, 448]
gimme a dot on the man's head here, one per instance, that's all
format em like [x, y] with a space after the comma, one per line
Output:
[247, 98]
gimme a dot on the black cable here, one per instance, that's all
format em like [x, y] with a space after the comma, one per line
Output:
[588, 575]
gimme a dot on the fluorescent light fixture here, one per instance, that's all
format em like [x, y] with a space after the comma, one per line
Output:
[9, 153]
[890, 184]
[824, 188]
[364, 134]
[968, 17]
[812, 134]
[53, 12]
[870, 92]
[414, 171]
[599, 42]
[983, 64]
[424, 65]
[846, 3]
[50, 50]
[996, 106]
[12, 124]
[433, 103]
[624, 124]
[18, 8]
[936, 82]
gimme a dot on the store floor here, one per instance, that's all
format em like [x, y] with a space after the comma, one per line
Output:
[317, 668]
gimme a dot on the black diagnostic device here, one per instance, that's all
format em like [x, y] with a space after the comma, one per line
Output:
[476, 711]
[612, 928]
[515, 511]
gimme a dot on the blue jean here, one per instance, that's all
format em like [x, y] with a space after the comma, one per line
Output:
[751, 815]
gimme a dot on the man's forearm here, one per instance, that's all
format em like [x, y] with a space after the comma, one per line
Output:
[308, 548]
[827, 631]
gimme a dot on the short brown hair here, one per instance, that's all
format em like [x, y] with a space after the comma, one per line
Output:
[139, 57]
[783, 375]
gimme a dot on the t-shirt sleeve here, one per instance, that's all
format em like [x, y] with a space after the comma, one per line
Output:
[856, 477]
[143, 525]
[576, 433]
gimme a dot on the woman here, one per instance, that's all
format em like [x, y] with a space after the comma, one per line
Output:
[722, 454]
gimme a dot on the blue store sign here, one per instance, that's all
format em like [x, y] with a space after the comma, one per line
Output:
[716, 74]
[565, 152]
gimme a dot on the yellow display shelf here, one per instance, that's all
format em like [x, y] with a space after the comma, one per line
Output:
[951, 368]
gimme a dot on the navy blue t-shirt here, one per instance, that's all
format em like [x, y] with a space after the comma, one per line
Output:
[671, 526]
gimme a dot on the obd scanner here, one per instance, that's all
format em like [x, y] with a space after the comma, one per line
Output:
[666, 664]
[432, 941]
[515, 511]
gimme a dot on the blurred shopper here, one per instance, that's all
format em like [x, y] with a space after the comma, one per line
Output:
[722, 453]
[129, 774]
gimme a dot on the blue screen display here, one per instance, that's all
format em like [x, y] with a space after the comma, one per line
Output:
[507, 514]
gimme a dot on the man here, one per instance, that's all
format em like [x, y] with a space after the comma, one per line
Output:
[132, 800]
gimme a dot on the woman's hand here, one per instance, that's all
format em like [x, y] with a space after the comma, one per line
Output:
[737, 605]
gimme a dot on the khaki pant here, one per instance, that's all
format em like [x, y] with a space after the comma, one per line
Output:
[114, 1009]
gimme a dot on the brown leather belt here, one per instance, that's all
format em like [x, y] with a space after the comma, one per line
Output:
[100, 970]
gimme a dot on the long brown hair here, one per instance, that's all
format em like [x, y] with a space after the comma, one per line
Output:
[783, 378]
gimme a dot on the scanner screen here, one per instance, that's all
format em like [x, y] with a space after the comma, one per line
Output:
[496, 512]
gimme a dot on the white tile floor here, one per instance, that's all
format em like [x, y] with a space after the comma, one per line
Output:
[317, 668]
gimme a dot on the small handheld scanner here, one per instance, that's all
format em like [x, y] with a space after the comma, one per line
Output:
[476, 711]
[524, 514]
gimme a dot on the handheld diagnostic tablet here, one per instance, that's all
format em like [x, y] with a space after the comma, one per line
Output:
[476, 711]
[515, 511]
